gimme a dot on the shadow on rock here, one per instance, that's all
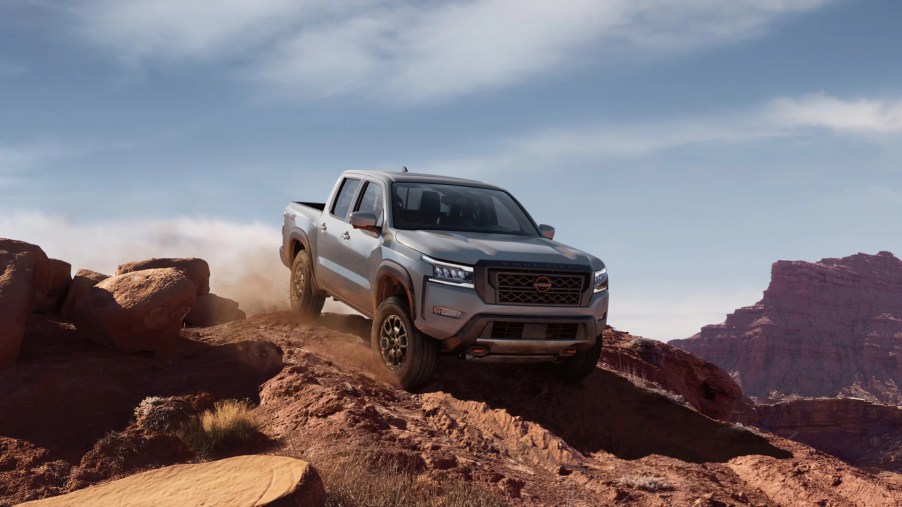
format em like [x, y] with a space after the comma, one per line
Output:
[604, 412]
[66, 403]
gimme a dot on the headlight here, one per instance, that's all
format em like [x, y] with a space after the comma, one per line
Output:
[601, 280]
[451, 274]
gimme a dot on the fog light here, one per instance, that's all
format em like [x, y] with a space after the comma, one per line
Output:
[478, 352]
[446, 312]
[568, 352]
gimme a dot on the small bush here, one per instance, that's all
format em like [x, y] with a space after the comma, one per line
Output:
[154, 413]
[229, 423]
[650, 483]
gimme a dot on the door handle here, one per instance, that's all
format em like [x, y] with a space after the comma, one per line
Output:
[323, 227]
[345, 235]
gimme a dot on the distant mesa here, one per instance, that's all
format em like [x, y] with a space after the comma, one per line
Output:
[831, 328]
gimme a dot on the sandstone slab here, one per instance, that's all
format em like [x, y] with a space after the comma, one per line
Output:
[240, 481]
[82, 282]
[15, 295]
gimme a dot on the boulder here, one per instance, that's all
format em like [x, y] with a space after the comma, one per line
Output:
[39, 266]
[82, 282]
[137, 311]
[243, 480]
[15, 296]
[212, 310]
[196, 269]
[60, 281]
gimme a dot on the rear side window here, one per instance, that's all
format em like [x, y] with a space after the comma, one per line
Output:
[371, 200]
[345, 198]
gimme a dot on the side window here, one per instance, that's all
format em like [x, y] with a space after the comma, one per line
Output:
[345, 198]
[372, 200]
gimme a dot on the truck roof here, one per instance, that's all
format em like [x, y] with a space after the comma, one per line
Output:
[397, 176]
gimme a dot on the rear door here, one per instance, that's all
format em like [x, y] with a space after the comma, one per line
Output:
[333, 232]
[363, 253]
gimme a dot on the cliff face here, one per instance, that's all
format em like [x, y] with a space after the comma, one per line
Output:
[862, 433]
[827, 329]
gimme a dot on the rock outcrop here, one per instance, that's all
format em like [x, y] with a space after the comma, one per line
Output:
[701, 384]
[82, 282]
[60, 281]
[195, 269]
[211, 310]
[242, 480]
[26, 275]
[827, 329]
[137, 311]
[863, 433]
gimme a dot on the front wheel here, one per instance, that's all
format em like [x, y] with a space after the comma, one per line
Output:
[410, 356]
[304, 299]
[579, 365]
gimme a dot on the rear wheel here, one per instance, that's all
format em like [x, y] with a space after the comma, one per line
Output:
[304, 298]
[579, 365]
[410, 356]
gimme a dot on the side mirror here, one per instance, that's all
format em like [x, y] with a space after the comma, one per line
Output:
[547, 231]
[364, 220]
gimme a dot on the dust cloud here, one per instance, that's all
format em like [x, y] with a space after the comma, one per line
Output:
[243, 257]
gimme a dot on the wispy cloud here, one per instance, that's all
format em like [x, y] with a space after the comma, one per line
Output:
[420, 51]
[861, 116]
[782, 118]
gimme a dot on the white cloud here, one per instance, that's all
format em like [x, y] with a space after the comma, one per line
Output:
[783, 118]
[414, 51]
[823, 111]
[243, 257]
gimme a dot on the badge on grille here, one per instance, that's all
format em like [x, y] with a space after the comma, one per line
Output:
[541, 284]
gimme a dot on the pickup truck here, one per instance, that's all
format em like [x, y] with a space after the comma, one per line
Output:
[446, 266]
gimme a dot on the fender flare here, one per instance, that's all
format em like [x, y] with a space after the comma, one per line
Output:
[397, 272]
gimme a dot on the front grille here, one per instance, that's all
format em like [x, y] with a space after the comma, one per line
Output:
[521, 289]
[502, 329]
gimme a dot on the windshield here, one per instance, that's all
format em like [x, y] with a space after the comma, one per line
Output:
[436, 206]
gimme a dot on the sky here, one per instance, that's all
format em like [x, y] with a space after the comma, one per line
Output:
[687, 143]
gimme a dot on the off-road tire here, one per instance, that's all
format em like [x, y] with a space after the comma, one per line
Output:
[579, 365]
[304, 298]
[393, 331]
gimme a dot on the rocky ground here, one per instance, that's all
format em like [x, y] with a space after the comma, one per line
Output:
[614, 439]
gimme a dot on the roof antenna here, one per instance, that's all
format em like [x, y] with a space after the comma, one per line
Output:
[403, 168]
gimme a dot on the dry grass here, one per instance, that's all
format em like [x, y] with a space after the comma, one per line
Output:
[229, 423]
[647, 482]
[368, 480]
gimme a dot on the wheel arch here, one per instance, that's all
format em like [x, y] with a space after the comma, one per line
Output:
[393, 280]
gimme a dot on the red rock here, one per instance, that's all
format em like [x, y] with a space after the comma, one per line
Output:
[40, 268]
[196, 269]
[863, 433]
[827, 329]
[212, 310]
[15, 294]
[701, 384]
[142, 310]
[60, 281]
[81, 284]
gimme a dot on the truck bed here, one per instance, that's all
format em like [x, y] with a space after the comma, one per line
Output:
[315, 205]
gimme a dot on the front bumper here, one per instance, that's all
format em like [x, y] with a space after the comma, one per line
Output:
[509, 332]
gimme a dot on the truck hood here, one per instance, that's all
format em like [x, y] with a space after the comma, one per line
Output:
[468, 248]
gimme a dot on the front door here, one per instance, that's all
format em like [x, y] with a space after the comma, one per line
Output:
[363, 253]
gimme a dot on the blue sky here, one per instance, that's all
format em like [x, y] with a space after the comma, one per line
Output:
[689, 144]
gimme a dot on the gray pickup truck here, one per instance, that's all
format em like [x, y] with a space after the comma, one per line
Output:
[446, 265]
